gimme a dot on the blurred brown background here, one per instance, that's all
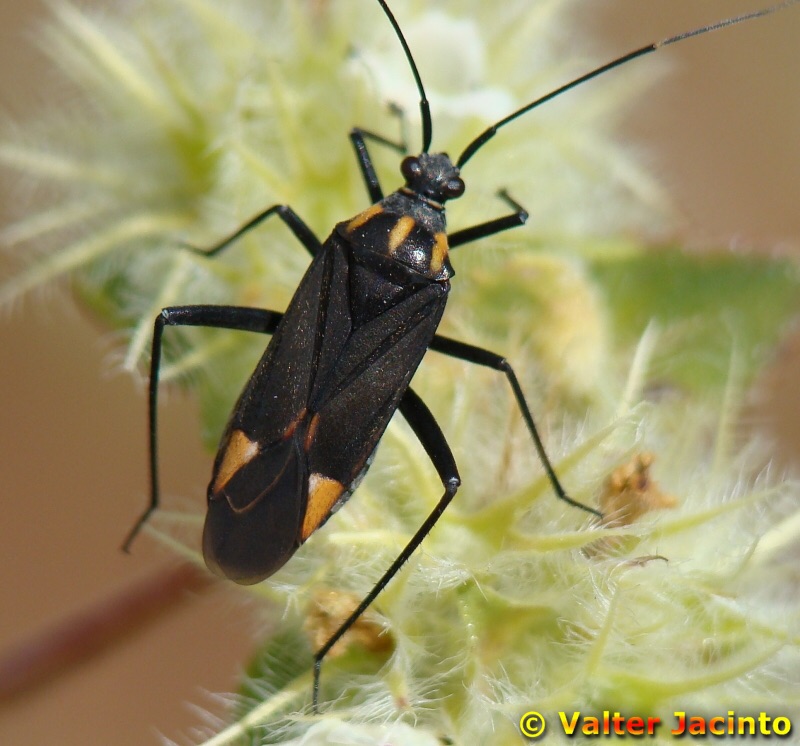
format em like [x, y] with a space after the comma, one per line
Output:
[723, 135]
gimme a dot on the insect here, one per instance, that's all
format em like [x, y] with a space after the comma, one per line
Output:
[343, 354]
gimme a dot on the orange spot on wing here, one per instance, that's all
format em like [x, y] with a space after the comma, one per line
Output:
[239, 450]
[312, 431]
[323, 492]
[289, 431]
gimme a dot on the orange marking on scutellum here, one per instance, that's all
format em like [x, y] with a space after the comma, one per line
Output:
[363, 217]
[440, 249]
[312, 431]
[323, 492]
[239, 450]
[399, 232]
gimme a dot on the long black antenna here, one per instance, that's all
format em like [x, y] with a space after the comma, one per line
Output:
[490, 132]
[424, 106]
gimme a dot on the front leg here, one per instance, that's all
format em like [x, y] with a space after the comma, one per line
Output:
[359, 137]
[490, 227]
[290, 218]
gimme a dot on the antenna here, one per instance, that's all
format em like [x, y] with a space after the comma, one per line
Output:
[424, 106]
[490, 132]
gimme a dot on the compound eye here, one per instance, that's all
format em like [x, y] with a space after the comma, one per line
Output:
[410, 168]
[454, 187]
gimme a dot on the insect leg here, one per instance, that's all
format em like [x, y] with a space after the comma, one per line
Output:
[285, 213]
[220, 317]
[430, 435]
[489, 228]
[359, 137]
[479, 356]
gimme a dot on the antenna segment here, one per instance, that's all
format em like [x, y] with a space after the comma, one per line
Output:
[491, 131]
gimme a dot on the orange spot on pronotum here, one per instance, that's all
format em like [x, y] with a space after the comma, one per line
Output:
[363, 217]
[399, 232]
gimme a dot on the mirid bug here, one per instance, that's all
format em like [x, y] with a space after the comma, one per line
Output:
[343, 354]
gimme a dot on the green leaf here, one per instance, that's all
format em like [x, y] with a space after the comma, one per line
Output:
[708, 305]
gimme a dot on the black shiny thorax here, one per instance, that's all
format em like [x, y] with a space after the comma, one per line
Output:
[409, 225]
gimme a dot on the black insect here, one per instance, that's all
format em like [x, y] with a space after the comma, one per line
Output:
[342, 356]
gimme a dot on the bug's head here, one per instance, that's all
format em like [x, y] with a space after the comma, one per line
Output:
[432, 176]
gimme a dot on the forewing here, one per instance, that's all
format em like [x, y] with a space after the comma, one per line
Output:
[259, 486]
[353, 408]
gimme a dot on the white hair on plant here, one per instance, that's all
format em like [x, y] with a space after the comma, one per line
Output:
[186, 122]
